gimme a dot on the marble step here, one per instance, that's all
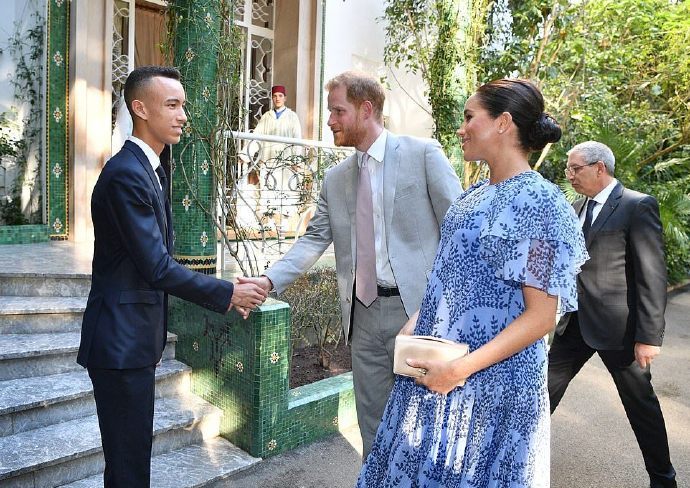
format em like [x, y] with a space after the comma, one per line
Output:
[27, 314]
[31, 403]
[69, 451]
[45, 284]
[192, 466]
[27, 355]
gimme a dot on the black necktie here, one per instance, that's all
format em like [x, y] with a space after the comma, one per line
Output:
[166, 204]
[163, 178]
[588, 217]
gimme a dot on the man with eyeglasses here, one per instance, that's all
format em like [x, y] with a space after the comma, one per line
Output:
[621, 297]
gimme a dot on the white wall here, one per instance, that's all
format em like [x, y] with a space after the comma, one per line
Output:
[355, 39]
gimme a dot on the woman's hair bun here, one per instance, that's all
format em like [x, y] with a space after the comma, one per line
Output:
[545, 130]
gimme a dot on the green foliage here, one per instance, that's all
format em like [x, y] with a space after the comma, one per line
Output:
[8, 145]
[26, 50]
[315, 311]
[10, 207]
[618, 72]
[434, 39]
[445, 98]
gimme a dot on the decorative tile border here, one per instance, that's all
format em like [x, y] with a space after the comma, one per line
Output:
[243, 367]
[24, 234]
[57, 118]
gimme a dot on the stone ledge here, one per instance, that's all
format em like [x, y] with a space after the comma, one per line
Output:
[48, 274]
[319, 390]
[49, 446]
[192, 466]
[41, 391]
[15, 305]
[14, 346]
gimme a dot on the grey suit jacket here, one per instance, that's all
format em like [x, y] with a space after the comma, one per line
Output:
[419, 185]
[622, 288]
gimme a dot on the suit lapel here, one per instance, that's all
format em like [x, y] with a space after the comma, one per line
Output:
[351, 175]
[606, 210]
[144, 161]
[390, 176]
[579, 205]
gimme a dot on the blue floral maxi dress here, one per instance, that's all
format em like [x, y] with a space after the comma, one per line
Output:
[494, 431]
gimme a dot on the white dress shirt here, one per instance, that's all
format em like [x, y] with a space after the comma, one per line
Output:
[153, 158]
[384, 271]
[600, 198]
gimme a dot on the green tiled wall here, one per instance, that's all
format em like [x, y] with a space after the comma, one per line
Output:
[243, 367]
[24, 234]
[57, 117]
[196, 55]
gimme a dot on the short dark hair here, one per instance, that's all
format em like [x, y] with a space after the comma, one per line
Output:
[525, 103]
[141, 76]
[360, 87]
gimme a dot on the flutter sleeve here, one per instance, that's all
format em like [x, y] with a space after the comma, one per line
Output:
[532, 236]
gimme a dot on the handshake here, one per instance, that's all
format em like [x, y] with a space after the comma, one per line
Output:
[249, 293]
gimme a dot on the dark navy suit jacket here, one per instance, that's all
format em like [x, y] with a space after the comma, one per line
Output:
[125, 322]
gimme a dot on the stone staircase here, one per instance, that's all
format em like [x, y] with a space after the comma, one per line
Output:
[48, 426]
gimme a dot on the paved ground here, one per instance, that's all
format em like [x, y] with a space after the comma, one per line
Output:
[592, 443]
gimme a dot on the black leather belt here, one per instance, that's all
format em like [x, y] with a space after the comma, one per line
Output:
[387, 292]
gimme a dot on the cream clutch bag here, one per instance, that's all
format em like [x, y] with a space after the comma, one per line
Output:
[424, 347]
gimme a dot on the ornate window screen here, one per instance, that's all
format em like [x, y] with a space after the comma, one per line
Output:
[256, 19]
[123, 49]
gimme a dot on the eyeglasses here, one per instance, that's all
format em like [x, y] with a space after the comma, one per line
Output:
[572, 170]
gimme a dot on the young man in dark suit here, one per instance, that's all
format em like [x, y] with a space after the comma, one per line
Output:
[622, 299]
[125, 323]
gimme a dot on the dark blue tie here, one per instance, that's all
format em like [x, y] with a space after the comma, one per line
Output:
[164, 179]
[166, 204]
[588, 217]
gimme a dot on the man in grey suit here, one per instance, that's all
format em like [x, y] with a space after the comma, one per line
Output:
[385, 237]
[622, 299]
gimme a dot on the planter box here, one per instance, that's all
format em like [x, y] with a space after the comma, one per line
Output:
[243, 367]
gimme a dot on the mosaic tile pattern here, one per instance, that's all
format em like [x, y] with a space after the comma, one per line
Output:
[57, 119]
[24, 234]
[198, 26]
[243, 367]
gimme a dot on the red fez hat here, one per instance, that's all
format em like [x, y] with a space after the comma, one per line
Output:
[278, 89]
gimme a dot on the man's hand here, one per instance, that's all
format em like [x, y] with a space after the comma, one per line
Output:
[247, 296]
[645, 353]
[262, 281]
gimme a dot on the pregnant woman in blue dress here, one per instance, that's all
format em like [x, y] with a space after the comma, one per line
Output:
[510, 248]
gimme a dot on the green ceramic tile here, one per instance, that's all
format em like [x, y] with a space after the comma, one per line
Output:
[243, 367]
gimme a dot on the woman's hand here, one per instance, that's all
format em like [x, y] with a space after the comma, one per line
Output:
[441, 376]
[409, 326]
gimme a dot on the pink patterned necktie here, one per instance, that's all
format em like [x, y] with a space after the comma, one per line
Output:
[365, 279]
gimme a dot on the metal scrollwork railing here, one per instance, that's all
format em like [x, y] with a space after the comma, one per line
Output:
[270, 187]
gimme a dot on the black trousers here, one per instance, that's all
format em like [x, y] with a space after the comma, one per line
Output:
[124, 402]
[569, 353]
